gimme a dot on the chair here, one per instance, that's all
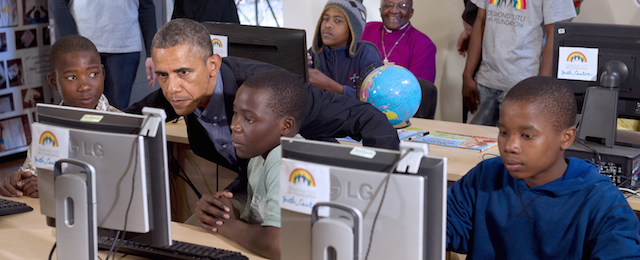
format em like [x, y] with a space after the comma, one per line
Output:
[427, 107]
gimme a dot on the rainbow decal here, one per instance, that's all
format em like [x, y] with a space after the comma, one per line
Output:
[300, 175]
[216, 43]
[576, 57]
[47, 138]
[517, 4]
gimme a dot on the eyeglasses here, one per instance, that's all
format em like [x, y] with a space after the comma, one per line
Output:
[402, 6]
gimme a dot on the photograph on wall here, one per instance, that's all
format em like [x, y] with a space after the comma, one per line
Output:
[3, 76]
[3, 41]
[14, 73]
[8, 13]
[15, 132]
[32, 96]
[6, 103]
[35, 11]
[46, 36]
[26, 39]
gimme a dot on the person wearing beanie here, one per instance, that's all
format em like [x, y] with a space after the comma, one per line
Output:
[399, 42]
[338, 60]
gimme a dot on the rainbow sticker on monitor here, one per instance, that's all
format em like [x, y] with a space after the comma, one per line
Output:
[303, 176]
[216, 43]
[48, 138]
[517, 4]
[576, 57]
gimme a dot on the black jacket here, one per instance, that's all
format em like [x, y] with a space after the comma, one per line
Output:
[329, 115]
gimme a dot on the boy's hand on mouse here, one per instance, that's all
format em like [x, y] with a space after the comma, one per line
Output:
[213, 209]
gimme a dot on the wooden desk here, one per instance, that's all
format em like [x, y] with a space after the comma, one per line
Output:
[27, 236]
[460, 160]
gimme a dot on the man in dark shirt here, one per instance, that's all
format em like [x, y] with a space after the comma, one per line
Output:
[201, 86]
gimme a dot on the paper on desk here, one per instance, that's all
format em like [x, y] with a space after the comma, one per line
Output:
[302, 185]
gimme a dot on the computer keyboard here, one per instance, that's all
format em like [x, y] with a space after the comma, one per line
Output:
[8, 207]
[178, 250]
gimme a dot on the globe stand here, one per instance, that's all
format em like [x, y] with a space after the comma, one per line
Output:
[404, 124]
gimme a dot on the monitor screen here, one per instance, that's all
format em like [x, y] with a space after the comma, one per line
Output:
[130, 162]
[282, 47]
[613, 43]
[410, 221]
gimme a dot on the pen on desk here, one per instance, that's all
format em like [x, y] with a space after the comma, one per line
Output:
[418, 136]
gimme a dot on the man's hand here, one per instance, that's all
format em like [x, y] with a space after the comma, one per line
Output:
[20, 183]
[151, 71]
[212, 210]
[463, 39]
[470, 94]
[321, 81]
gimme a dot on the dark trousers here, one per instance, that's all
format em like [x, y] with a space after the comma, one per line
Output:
[120, 72]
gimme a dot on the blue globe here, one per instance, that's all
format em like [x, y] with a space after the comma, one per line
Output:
[393, 90]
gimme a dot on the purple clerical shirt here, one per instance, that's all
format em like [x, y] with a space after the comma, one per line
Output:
[415, 51]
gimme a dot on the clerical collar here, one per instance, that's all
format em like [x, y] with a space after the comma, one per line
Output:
[389, 31]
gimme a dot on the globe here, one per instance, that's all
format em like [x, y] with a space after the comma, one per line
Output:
[393, 90]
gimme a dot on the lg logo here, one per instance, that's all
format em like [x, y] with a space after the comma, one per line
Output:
[85, 149]
[361, 191]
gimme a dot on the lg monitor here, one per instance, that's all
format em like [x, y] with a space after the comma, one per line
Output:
[282, 47]
[408, 210]
[129, 155]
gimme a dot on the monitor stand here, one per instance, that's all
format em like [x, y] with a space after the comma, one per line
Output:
[76, 214]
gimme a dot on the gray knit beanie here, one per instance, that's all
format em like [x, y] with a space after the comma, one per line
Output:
[356, 18]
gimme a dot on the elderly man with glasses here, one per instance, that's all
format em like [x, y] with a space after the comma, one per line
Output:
[401, 43]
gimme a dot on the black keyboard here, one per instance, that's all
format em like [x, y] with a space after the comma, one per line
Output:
[8, 207]
[178, 250]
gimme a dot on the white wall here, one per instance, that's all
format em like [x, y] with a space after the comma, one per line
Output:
[441, 21]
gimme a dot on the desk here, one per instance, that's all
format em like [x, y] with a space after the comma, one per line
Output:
[27, 236]
[460, 160]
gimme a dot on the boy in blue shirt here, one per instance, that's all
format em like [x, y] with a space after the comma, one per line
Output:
[338, 60]
[532, 202]
[267, 106]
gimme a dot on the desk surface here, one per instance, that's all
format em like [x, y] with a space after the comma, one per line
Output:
[460, 160]
[27, 236]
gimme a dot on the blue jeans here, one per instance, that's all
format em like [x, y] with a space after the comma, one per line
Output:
[120, 72]
[488, 111]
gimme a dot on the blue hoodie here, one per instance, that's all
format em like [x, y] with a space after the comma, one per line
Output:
[491, 215]
[348, 71]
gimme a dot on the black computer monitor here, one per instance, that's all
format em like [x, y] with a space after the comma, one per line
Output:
[614, 90]
[614, 42]
[283, 47]
[129, 155]
[409, 210]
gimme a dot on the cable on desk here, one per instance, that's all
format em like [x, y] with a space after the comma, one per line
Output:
[52, 249]
[185, 178]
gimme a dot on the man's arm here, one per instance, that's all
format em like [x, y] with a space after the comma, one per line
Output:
[63, 20]
[423, 60]
[547, 52]
[333, 115]
[469, 87]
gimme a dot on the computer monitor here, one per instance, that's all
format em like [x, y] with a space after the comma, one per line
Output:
[411, 221]
[282, 47]
[618, 64]
[129, 155]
